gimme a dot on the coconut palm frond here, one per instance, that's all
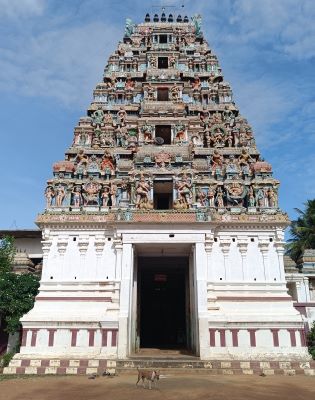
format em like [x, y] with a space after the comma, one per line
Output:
[302, 231]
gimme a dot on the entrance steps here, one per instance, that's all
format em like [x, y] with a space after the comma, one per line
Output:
[167, 366]
[196, 366]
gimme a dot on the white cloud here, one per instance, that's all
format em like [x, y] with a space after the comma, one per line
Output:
[285, 24]
[61, 64]
[21, 8]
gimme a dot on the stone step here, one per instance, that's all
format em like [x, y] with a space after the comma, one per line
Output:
[215, 364]
[83, 366]
[222, 371]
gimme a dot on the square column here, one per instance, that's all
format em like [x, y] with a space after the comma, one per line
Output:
[201, 272]
[125, 300]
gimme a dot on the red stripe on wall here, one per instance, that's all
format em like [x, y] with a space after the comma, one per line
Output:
[252, 337]
[222, 337]
[74, 334]
[212, 337]
[292, 337]
[34, 337]
[105, 299]
[275, 336]
[24, 337]
[114, 337]
[51, 337]
[234, 337]
[91, 337]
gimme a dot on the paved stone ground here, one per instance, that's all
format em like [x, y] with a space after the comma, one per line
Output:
[170, 387]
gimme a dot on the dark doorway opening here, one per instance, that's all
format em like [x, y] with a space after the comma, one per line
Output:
[162, 62]
[162, 94]
[163, 195]
[162, 201]
[165, 132]
[163, 302]
[163, 38]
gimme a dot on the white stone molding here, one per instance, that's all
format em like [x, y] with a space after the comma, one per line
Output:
[99, 245]
[45, 234]
[83, 244]
[62, 245]
[225, 247]
[46, 245]
[242, 244]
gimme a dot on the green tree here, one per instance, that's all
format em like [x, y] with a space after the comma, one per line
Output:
[17, 292]
[311, 341]
[7, 252]
[302, 231]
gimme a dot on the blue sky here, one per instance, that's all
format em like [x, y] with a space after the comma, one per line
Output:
[53, 52]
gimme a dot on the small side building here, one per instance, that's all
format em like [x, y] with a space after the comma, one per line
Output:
[300, 279]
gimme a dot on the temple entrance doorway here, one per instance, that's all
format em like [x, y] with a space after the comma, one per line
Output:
[163, 306]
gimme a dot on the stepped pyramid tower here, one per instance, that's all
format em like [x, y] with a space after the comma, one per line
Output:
[162, 227]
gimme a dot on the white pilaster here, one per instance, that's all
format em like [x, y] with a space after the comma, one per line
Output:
[242, 245]
[279, 246]
[46, 245]
[118, 250]
[263, 245]
[225, 247]
[83, 245]
[62, 245]
[99, 244]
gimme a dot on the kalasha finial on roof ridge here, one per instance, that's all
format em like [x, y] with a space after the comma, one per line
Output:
[163, 18]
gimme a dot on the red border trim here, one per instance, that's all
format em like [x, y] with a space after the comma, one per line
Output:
[105, 299]
[235, 298]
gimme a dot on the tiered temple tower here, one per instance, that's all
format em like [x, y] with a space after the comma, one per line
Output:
[162, 227]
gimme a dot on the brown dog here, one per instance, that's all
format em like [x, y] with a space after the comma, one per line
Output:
[148, 375]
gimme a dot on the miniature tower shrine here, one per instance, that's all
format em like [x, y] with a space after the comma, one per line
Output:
[162, 227]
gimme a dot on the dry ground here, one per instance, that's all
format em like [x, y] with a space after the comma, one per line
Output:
[185, 387]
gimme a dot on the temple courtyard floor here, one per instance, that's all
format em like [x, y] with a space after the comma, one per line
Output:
[183, 387]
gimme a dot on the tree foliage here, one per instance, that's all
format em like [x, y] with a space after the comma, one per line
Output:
[17, 292]
[7, 252]
[311, 341]
[302, 231]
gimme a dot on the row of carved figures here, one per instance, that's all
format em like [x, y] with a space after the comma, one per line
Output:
[226, 118]
[113, 84]
[140, 193]
[82, 163]
[211, 136]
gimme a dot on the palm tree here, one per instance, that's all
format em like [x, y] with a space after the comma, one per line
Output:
[302, 231]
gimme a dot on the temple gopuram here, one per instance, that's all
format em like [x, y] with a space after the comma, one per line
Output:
[162, 228]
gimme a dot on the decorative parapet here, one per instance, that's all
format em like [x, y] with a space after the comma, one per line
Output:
[161, 216]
